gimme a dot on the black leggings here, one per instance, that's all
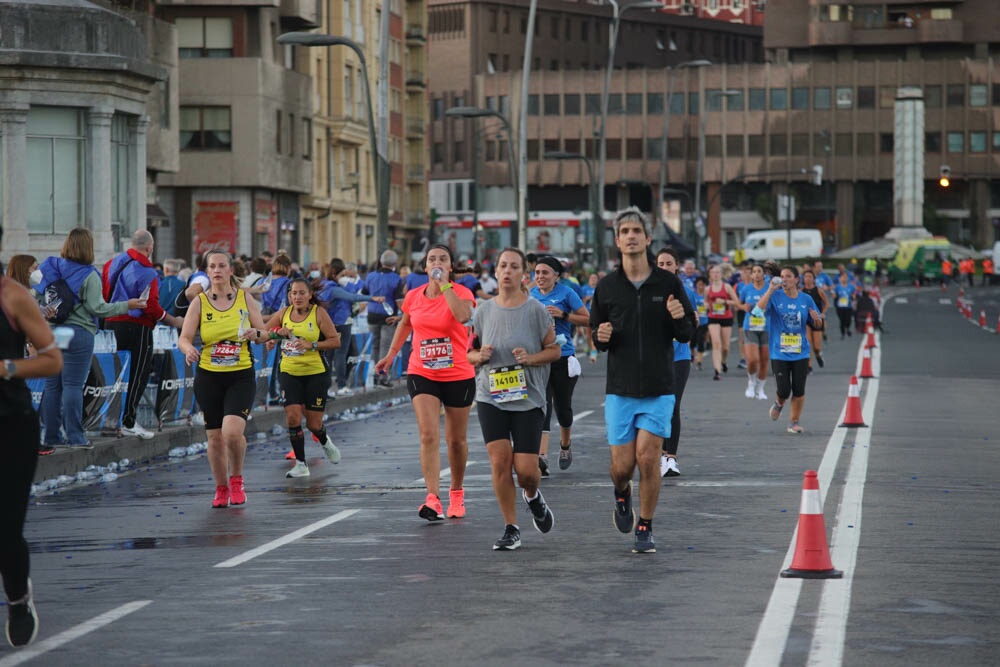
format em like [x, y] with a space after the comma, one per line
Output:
[846, 316]
[17, 469]
[682, 369]
[700, 334]
[790, 376]
[559, 392]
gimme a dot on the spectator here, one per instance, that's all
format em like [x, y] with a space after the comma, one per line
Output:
[276, 297]
[127, 276]
[20, 269]
[62, 397]
[338, 301]
[382, 317]
[171, 285]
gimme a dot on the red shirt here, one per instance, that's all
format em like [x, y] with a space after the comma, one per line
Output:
[440, 341]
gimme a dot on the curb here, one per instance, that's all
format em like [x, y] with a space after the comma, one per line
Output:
[69, 461]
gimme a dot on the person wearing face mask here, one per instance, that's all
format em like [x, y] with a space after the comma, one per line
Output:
[24, 269]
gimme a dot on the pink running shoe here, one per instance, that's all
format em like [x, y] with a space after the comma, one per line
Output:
[456, 503]
[431, 509]
[221, 497]
[237, 495]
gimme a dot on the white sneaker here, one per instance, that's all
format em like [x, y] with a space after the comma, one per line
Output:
[751, 386]
[198, 419]
[345, 391]
[138, 431]
[672, 469]
[331, 450]
[761, 396]
[664, 466]
[300, 469]
[331, 393]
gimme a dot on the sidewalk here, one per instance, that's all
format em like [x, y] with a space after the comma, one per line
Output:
[66, 461]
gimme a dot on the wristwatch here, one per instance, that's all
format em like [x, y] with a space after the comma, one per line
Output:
[9, 369]
[315, 346]
[565, 315]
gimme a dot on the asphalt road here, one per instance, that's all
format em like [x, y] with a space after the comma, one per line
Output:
[337, 569]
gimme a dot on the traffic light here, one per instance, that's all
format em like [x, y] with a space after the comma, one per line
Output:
[944, 180]
[817, 175]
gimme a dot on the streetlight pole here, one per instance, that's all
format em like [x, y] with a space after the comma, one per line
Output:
[591, 189]
[616, 16]
[476, 112]
[380, 165]
[521, 240]
[699, 224]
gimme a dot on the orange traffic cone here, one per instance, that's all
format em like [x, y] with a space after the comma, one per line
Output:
[961, 292]
[982, 318]
[870, 327]
[866, 364]
[812, 555]
[852, 414]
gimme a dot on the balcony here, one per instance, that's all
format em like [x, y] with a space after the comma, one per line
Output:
[300, 14]
[832, 33]
[415, 128]
[416, 218]
[416, 80]
[940, 31]
[416, 174]
[415, 35]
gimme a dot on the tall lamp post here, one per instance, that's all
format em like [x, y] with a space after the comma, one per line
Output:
[700, 229]
[380, 165]
[616, 16]
[596, 220]
[519, 235]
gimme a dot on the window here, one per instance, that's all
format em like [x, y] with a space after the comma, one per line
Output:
[932, 142]
[800, 143]
[506, 22]
[506, 63]
[800, 99]
[492, 20]
[886, 97]
[307, 132]
[693, 104]
[866, 97]
[713, 99]
[437, 152]
[821, 98]
[886, 142]
[633, 149]
[734, 145]
[571, 104]
[491, 63]
[779, 99]
[734, 102]
[755, 144]
[676, 104]
[555, 27]
[504, 105]
[866, 144]
[977, 95]
[291, 134]
[205, 128]
[533, 149]
[592, 104]
[843, 144]
[55, 169]
[932, 97]
[633, 104]
[121, 168]
[458, 151]
[654, 149]
[584, 30]
[491, 103]
[204, 37]
[996, 94]
[977, 142]
[779, 144]
[615, 103]
[845, 97]
[996, 142]
[277, 132]
[758, 99]
[349, 92]
[614, 149]
[675, 149]
[822, 144]
[956, 142]
[491, 151]
[956, 95]
[571, 145]
[533, 105]
[550, 146]
[941, 14]
[654, 103]
[550, 105]
[437, 108]
[713, 145]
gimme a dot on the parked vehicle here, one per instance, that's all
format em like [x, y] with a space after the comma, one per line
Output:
[773, 244]
[919, 260]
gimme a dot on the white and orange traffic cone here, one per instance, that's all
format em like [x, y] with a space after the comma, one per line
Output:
[852, 413]
[870, 328]
[961, 292]
[866, 365]
[982, 318]
[812, 554]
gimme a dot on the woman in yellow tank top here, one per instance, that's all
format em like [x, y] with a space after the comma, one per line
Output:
[224, 381]
[305, 331]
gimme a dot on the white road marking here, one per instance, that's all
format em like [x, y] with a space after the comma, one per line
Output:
[943, 302]
[444, 474]
[903, 299]
[581, 415]
[76, 632]
[290, 537]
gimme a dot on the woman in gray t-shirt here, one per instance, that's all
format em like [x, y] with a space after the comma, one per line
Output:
[517, 342]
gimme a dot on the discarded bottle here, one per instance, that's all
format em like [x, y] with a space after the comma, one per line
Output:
[437, 273]
[109, 477]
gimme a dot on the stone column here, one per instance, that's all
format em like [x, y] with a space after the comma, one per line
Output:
[137, 180]
[14, 117]
[98, 186]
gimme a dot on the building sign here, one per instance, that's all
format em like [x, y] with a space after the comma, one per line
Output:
[215, 226]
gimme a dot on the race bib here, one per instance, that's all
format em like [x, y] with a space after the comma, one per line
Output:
[702, 310]
[791, 343]
[718, 307]
[436, 353]
[508, 383]
[843, 302]
[226, 354]
[756, 323]
[288, 349]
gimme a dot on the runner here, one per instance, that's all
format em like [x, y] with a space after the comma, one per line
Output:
[720, 298]
[638, 311]
[306, 332]
[816, 329]
[755, 334]
[668, 260]
[517, 342]
[844, 296]
[567, 310]
[701, 333]
[224, 382]
[439, 374]
[738, 281]
[787, 311]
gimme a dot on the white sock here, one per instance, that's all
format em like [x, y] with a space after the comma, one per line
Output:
[531, 498]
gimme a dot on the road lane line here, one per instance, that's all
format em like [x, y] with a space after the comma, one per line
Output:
[445, 472]
[76, 632]
[286, 539]
[581, 415]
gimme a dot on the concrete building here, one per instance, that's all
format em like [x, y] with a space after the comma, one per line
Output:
[245, 127]
[85, 117]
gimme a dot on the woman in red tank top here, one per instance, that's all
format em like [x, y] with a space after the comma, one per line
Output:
[719, 300]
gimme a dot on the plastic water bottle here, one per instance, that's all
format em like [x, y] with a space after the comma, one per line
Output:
[437, 273]
[266, 284]
[145, 293]
[776, 281]
[387, 307]
[561, 340]
[757, 312]
[244, 324]
[109, 477]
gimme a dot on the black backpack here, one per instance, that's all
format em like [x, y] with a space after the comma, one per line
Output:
[60, 291]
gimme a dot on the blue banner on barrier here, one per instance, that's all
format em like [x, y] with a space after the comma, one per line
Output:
[175, 386]
[104, 392]
[264, 361]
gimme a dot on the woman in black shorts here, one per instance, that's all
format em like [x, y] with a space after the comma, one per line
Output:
[815, 328]
[224, 382]
[517, 343]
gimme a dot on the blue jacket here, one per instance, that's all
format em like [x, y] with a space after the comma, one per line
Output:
[383, 283]
[56, 268]
[276, 297]
[338, 300]
[132, 279]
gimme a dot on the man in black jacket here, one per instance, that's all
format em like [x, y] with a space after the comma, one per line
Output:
[636, 313]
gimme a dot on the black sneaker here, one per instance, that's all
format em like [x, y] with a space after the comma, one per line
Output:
[565, 457]
[725, 367]
[22, 621]
[541, 515]
[819, 359]
[623, 514]
[644, 540]
[543, 465]
[510, 540]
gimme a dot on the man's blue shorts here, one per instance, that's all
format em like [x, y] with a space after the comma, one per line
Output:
[625, 415]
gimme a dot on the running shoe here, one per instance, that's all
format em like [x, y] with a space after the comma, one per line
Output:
[300, 469]
[331, 450]
[761, 396]
[45, 450]
[237, 495]
[623, 514]
[345, 391]
[644, 540]
[663, 465]
[794, 428]
[672, 469]
[725, 367]
[751, 387]
[543, 465]
[22, 621]
[742, 364]
[290, 456]
[698, 365]
[776, 411]
[431, 509]
[138, 431]
[456, 503]
[331, 393]
[819, 359]
[541, 515]
[716, 377]
[565, 457]
[510, 540]
[221, 497]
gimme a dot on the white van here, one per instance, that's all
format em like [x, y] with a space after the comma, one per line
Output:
[761, 246]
